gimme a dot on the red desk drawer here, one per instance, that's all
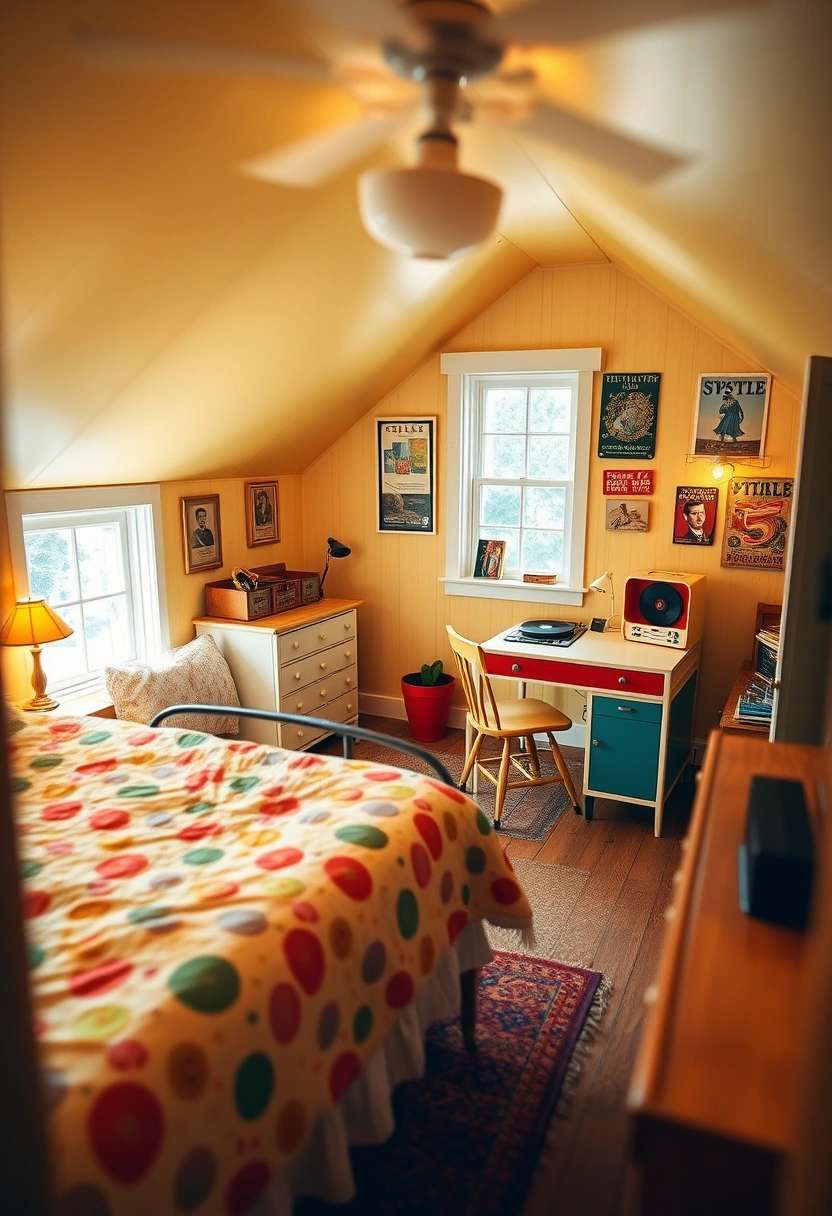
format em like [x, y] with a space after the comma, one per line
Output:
[578, 675]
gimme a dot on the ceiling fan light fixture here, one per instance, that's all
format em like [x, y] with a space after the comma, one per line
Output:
[431, 210]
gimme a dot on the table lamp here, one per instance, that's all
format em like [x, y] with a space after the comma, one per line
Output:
[334, 548]
[598, 585]
[31, 623]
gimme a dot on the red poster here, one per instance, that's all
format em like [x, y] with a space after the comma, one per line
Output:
[628, 481]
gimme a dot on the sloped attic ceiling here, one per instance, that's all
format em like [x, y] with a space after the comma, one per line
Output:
[168, 317]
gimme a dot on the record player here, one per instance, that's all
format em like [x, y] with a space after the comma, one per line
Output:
[663, 607]
[547, 633]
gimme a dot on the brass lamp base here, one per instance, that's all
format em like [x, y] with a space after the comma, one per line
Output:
[40, 703]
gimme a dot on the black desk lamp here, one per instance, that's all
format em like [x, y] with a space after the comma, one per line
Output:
[334, 548]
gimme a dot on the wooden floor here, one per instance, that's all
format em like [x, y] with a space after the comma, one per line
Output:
[616, 928]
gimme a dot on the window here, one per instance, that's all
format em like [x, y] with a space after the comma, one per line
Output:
[95, 557]
[518, 460]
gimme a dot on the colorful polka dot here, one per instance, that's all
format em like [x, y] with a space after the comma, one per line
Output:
[245, 922]
[291, 1126]
[207, 984]
[474, 860]
[278, 859]
[195, 1177]
[329, 1023]
[187, 1070]
[340, 938]
[105, 821]
[125, 865]
[362, 1023]
[364, 834]
[505, 890]
[284, 1012]
[374, 962]
[306, 959]
[399, 990]
[253, 1085]
[246, 1187]
[97, 980]
[407, 913]
[342, 1074]
[126, 1127]
[350, 876]
[203, 857]
[428, 829]
[483, 822]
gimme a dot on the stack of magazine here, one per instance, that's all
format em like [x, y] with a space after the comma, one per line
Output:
[755, 704]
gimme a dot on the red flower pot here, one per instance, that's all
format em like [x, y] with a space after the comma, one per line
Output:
[427, 705]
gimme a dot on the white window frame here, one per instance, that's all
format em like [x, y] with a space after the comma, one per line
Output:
[464, 370]
[145, 576]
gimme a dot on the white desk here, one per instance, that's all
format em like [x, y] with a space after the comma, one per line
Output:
[640, 705]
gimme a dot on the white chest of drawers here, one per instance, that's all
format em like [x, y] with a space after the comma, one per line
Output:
[304, 661]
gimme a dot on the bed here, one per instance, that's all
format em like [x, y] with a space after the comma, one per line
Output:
[235, 951]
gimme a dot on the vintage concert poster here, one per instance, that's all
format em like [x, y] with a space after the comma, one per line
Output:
[731, 415]
[694, 520]
[757, 522]
[627, 482]
[406, 472]
[629, 412]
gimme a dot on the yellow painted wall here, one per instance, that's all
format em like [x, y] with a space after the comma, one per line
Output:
[402, 622]
[185, 594]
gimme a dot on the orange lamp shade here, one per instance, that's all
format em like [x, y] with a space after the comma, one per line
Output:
[32, 622]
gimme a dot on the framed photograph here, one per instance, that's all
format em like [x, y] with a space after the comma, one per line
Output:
[757, 519]
[629, 413]
[489, 560]
[694, 519]
[731, 415]
[406, 474]
[627, 515]
[262, 517]
[201, 534]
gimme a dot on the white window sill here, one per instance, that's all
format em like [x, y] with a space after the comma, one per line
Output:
[511, 589]
[93, 702]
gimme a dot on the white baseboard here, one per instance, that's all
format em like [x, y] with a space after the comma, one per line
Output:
[393, 707]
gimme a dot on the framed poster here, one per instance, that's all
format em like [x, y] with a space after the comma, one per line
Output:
[756, 522]
[627, 482]
[694, 519]
[201, 535]
[731, 415]
[406, 474]
[629, 412]
[626, 515]
[489, 560]
[262, 518]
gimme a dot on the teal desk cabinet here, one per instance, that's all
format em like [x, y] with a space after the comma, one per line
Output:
[640, 709]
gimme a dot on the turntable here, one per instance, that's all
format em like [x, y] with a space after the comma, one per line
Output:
[547, 633]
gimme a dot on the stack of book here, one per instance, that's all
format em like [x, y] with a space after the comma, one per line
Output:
[755, 704]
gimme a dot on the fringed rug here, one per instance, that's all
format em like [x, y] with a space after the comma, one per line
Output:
[468, 1134]
[528, 814]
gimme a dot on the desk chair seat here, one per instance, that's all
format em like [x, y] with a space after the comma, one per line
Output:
[507, 720]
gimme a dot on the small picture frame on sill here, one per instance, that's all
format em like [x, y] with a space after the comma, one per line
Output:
[201, 533]
[489, 560]
[262, 514]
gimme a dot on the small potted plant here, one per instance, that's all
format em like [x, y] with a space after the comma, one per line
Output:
[427, 699]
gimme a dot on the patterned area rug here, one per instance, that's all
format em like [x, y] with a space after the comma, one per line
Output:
[527, 813]
[468, 1134]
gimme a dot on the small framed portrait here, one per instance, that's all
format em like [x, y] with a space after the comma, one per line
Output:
[489, 560]
[695, 516]
[262, 517]
[627, 515]
[201, 533]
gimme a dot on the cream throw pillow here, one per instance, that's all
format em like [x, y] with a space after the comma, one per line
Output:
[189, 674]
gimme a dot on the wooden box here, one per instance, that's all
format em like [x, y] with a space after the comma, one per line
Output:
[310, 580]
[223, 599]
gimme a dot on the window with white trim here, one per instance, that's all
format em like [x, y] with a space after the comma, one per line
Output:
[518, 465]
[95, 557]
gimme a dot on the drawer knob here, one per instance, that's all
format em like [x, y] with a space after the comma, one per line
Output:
[626, 709]
[297, 675]
[323, 666]
[300, 734]
[349, 706]
[347, 654]
[322, 693]
[515, 667]
[594, 742]
[622, 679]
[322, 636]
[300, 705]
[346, 624]
[296, 645]
[348, 681]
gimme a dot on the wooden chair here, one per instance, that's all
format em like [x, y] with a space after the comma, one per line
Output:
[508, 720]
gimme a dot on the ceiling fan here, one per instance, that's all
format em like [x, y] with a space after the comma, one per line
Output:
[454, 52]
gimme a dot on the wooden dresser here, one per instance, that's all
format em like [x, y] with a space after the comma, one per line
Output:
[304, 661]
[714, 1092]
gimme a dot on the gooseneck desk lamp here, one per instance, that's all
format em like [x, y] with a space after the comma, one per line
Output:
[32, 623]
[604, 584]
[334, 548]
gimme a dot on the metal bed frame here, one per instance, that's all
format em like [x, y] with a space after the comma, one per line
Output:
[348, 733]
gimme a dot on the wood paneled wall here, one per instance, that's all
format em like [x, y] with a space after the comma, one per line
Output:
[402, 622]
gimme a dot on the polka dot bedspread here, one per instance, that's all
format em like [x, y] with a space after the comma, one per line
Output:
[220, 937]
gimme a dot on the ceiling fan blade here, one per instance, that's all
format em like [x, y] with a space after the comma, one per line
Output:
[562, 21]
[363, 19]
[312, 161]
[138, 52]
[643, 161]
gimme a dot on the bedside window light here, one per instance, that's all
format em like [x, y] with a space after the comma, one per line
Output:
[33, 623]
[334, 548]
